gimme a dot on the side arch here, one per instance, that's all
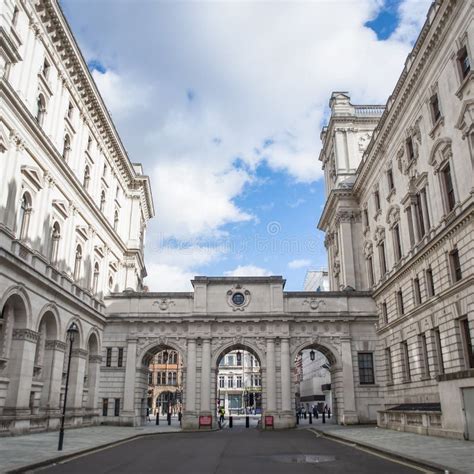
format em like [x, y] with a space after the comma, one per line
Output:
[233, 345]
[329, 350]
[160, 344]
[20, 292]
[52, 309]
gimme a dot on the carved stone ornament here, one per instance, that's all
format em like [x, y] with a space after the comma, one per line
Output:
[238, 298]
[313, 303]
[379, 234]
[440, 153]
[336, 268]
[364, 141]
[55, 345]
[163, 303]
[393, 215]
[25, 335]
[368, 249]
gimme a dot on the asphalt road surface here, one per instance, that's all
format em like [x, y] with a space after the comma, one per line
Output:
[231, 451]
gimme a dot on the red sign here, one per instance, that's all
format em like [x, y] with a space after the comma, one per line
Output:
[269, 421]
[205, 420]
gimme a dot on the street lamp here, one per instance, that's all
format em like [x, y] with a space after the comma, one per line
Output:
[312, 355]
[71, 334]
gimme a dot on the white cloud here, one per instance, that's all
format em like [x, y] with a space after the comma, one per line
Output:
[299, 263]
[248, 270]
[412, 15]
[168, 278]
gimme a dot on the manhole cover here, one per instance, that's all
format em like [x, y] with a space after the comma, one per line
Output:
[302, 458]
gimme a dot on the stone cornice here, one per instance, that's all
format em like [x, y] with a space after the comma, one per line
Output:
[80, 353]
[431, 35]
[331, 205]
[55, 344]
[25, 335]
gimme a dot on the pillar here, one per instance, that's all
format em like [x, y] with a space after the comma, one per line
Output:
[93, 382]
[206, 377]
[347, 252]
[76, 384]
[53, 371]
[271, 385]
[190, 418]
[285, 375]
[130, 378]
[350, 414]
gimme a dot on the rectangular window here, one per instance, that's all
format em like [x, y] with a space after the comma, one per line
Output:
[419, 216]
[366, 368]
[120, 357]
[383, 262]
[424, 356]
[405, 361]
[239, 381]
[108, 359]
[435, 110]
[397, 245]
[430, 290]
[467, 343]
[410, 149]
[411, 231]
[455, 264]
[221, 381]
[390, 179]
[438, 351]
[401, 308]
[105, 406]
[384, 313]
[230, 360]
[448, 187]
[150, 378]
[117, 407]
[416, 291]
[366, 217]
[370, 270]
[377, 200]
[230, 382]
[424, 202]
[388, 364]
[464, 62]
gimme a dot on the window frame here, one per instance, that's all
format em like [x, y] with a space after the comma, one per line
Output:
[365, 364]
[466, 341]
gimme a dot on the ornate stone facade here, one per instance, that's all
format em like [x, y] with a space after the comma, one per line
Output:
[414, 249]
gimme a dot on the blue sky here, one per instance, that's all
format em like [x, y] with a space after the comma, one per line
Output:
[223, 104]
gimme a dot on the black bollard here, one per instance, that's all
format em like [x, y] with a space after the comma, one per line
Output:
[297, 419]
[310, 419]
[324, 417]
[157, 417]
[305, 415]
[316, 414]
[247, 422]
[329, 413]
[180, 416]
[230, 422]
[169, 418]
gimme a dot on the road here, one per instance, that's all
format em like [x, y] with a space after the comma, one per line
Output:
[231, 451]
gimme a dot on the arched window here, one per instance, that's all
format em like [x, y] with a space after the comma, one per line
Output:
[87, 177]
[70, 110]
[77, 263]
[102, 200]
[111, 282]
[116, 219]
[25, 213]
[67, 146]
[55, 238]
[95, 278]
[40, 109]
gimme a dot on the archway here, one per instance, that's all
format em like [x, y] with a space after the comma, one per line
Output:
[238, 386]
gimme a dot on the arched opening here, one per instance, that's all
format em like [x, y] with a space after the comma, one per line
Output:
[238, 386]
[315, 381]
[25, 215]
[163, 383]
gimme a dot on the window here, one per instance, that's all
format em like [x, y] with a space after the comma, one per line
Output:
[150, 378]
[105, 406]
[435, 110]
[411, 232]
[438, 351]
[467, 343]
[40, 109]
[401, 308]
[111, 282]
[95, 278]
[384, 313]
[66, 147]
[116, 219]
[416, 291]
[102, 201]
[120, 357]
[383, 262]
[77, 263]
[448, 187]
[87, 177]
[397, 246]
[230, 360]
[117, 407]
[55, 238]
[25, 214]
[429, 282]
[456, 273]
[239, 358]
[366, 368]
[108, 360]
[15, 16]
[161, 378]
[366, 217]
[171, 378]
[405, 361]
[104, 171]
[239, 381]
[45, 69]
[388, 365]
[410, 149]
[89, 143]
[221, 381]
[117, 192]
[70, 111]
[377, 200]
[424, 356]
[390, 179]
[464, 62]
[419, 216]
[370, 270]
[230, 381]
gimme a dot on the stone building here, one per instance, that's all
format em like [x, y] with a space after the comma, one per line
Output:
[399, 222]
[73, 212]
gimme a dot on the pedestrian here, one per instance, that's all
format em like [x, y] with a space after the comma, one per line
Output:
[148, 414]
[329, 412]
[221, 415]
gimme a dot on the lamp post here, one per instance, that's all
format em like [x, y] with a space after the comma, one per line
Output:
[71, 333]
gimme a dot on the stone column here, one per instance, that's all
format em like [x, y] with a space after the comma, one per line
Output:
[347, 252]
[76, 383]
[93, 382]
[350, 414]
[53, 370]
[206, 377]
[191, 377]
[285, 375]
[130, 379]
[271, 385]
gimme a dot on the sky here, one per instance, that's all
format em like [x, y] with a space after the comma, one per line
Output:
[223, 102]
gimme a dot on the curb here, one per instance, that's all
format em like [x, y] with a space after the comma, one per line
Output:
[64, 457]
[393, 454]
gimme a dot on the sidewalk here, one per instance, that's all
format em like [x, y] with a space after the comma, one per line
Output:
[447, 454]
[18, 451]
